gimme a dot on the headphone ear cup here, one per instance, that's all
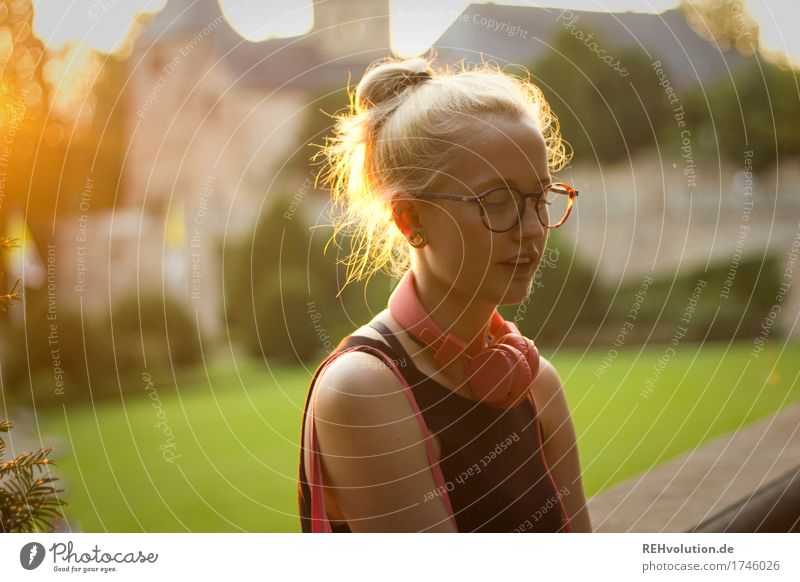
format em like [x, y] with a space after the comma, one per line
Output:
[528, 351]
[526, 347]
[499, 374]
[532, 355]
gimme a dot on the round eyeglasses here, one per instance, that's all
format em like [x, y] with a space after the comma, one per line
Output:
[503, 207]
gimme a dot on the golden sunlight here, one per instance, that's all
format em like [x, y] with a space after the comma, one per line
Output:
[75, 35]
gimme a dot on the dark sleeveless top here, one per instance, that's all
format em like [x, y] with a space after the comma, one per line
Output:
[492, 459]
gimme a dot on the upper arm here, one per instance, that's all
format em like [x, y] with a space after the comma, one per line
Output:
[373, 450]
[560, 442]
[548, 392]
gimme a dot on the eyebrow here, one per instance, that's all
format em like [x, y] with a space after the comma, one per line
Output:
[500, 181]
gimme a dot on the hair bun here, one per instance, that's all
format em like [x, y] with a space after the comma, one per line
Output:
[385, 81]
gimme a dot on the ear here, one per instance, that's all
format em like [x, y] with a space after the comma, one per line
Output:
[405, 214]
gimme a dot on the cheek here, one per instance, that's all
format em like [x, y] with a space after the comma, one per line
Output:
[463, 244]
[447, 226]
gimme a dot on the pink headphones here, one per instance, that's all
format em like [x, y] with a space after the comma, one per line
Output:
[499, 374]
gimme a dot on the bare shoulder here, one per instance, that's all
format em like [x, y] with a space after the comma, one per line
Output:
[356, 380]
[547, 378]
[560, 443]
[354, 384]
[551, 401]
[373, 448]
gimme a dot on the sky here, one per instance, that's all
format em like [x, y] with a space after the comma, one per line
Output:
[105, 24]
[778, 21]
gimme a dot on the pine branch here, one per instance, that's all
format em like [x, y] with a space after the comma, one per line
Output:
[5, 426]
[26, 460]
[7, 243]
[30, 502]
[27, 504]
[8, 298]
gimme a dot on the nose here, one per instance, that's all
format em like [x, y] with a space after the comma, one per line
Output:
[529, 225]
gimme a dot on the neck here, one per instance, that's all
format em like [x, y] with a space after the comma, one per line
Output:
[453, 312]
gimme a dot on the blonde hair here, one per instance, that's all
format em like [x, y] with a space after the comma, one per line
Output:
[402, 121]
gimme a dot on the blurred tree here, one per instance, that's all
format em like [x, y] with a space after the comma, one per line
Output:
[723, 22]
[262, 274]
[283, 296]
[605, 114]
[755, 109]
[153, 330]
[62, 122]
[317, 125]
[23, 106]
[282, 290]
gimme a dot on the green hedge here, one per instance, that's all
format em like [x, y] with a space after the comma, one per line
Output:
[95, 357]
[281, 287]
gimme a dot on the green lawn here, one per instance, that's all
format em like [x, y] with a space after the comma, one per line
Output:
[236, 432]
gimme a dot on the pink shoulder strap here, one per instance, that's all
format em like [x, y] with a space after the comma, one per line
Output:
[564, 515]
[319, 515]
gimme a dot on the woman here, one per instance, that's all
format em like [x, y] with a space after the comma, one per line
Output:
[445, 178]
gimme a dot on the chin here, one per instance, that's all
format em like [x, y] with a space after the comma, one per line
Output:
[517, 292]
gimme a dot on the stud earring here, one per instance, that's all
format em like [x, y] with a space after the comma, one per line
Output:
[417, 240]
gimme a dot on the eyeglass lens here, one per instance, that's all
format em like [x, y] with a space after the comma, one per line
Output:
[504, 206]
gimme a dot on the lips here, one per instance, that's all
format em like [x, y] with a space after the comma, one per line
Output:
[521, 259]
[521, 265]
